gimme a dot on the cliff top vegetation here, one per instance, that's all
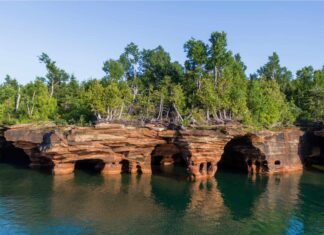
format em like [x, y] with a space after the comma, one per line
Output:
[145, 85]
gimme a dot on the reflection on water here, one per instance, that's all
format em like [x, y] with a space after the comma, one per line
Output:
[240, 193]
[37, 203]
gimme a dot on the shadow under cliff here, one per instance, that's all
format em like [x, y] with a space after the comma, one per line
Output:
[14, 156]
[239, 154]
[312, 148]
[171, 159]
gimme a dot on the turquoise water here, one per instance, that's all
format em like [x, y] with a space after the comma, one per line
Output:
[33, 202]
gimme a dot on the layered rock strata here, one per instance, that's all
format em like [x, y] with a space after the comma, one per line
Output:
[265, 152]
[131, 149]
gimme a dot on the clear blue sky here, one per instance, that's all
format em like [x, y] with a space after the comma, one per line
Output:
[80, 36]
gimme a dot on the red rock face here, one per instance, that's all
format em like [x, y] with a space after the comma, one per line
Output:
[125, 147]
[265, 152]
[281, 149]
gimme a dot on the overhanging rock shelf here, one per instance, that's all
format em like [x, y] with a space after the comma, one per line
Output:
[114, 145]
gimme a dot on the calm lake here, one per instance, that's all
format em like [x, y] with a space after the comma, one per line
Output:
[32, 202]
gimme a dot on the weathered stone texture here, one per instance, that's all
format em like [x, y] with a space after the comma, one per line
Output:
[115, 144]
[281, 149]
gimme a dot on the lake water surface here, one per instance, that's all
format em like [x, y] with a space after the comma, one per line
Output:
[32, 202]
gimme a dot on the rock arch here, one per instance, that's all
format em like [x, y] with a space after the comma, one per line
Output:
[241, 155]
[201, 148]
[265, 152]
[165, 156]
[169, 153]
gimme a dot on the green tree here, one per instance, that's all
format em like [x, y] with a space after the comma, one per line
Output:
[114, 69]
[272, 70]
[37, 103]
[94, 98]
[218, 54]
[130, 58]
[235, 98]
[208, 98]
[107, 102]
[302, 85]
[315, 97]
[147, 85]
[72, 107]
[55, 76]
[10, 97]
[267, 103]
[156, 64]
[197, 58]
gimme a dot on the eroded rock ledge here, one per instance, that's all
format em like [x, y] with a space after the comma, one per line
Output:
[120, 148]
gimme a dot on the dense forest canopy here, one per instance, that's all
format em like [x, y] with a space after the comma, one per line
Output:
[211, 88]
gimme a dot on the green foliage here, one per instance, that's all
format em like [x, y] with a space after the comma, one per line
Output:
[114, 69]
[207, 97]
[272, 70]
[197, 58]
[178, 98]
[235, 99]
[267, 103]
[8, 94]
[55, 76]
[218, 54]
[308, 93]
[211, 87]
[36, 103]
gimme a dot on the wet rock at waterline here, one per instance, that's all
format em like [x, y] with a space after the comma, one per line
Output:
[117, 148]
[265, 152]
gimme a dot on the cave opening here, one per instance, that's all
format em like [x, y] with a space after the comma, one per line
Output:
[11, 155]
[264, 165]
[201, 168]
[312, 148]
[90, 166]
[125, 166]
[139, 169]
[169, 160]
[241, 156]
[209, 167]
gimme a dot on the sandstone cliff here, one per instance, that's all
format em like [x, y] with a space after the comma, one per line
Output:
[117, 148]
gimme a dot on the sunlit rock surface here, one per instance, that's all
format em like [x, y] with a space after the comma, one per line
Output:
[265, 152]
[117, 148]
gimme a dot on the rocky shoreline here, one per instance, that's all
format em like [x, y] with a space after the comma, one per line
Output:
[119, 148]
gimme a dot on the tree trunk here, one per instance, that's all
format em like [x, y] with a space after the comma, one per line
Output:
[160, 109]
[215, 75]
[108, 113]
[224, 112]
[134, 85]
[33, 99]
[121, 111]
[220, 115]
[31, 110]
[178, 114]
[199, 83]
[98, 116]
[18, 100]
[52, 89]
